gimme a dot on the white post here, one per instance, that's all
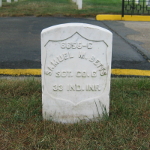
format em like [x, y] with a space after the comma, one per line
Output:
[136, 1]
[79, 3]
[148, 3]
[0, 3]
[9, 1]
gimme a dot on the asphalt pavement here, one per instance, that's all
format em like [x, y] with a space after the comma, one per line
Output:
[20, 41]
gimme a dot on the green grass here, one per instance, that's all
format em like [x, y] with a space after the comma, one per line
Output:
[60, 8]
[126, 128]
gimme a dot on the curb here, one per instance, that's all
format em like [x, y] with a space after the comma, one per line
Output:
[120, 18]
[37, 72]
[130, 72]
[18, 72]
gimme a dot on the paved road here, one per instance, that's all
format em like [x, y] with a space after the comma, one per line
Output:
[20, 41]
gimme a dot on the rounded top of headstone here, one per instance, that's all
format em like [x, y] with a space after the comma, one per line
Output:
[62, 31]
[84, 25]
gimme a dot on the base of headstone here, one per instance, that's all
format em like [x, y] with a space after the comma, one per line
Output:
[66, 112]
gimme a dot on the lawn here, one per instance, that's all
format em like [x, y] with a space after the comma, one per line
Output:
[60, 8]
[126, 128]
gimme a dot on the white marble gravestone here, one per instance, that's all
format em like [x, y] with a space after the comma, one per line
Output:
[76, 69]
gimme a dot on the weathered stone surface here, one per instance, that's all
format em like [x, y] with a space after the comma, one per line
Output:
[76, 68]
